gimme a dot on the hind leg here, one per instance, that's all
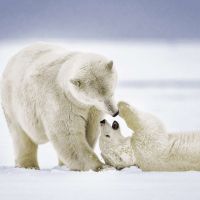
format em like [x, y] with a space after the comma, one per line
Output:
[24, 149]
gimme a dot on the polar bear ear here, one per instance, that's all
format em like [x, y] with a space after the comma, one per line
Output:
[109, 66]
[76, 82]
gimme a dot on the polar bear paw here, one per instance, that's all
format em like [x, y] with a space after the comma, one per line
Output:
[128, 113]
[124, 109]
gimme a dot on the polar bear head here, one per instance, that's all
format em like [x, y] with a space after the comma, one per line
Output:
[92, 82]
[116, 149]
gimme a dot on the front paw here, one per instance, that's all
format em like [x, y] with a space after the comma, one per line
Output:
[107, 168]
[123, 108]
[98, 166]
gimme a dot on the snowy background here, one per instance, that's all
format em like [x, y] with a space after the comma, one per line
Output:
[156, 49]
[160, 78]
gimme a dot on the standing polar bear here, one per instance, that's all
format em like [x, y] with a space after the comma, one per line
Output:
[50, 94]
[151, 148]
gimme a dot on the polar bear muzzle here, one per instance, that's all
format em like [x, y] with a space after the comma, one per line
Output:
[111, 108]
[117, 113]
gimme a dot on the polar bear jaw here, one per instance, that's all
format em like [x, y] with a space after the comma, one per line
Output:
[116, 149]
[92, 82]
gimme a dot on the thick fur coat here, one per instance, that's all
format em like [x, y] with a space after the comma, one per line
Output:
[153, 148]
[51, 94]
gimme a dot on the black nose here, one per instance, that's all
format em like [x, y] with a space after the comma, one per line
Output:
[117, 113]
[103, 121]
[115, 125]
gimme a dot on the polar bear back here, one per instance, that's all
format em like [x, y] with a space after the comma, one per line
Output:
[24, 78]
[34, 57]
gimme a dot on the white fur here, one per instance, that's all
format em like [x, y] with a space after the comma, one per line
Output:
[115, 149]
[50, 94]
[153, 148]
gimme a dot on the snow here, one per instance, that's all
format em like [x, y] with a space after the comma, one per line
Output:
[177, 107]
[127, 184]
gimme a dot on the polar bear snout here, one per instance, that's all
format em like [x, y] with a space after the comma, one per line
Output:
[117, 113]
[115, 125]
[110, 107]
[113, 112]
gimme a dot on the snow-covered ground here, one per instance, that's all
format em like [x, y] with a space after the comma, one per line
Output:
[178, 105]
[127, 184]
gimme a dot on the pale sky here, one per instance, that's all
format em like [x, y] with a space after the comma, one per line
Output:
[100, 19]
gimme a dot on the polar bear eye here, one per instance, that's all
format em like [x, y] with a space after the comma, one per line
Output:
[76, 82]
[108, 136]
[115, 125]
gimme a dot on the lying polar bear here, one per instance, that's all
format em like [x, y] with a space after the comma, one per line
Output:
[151, 148]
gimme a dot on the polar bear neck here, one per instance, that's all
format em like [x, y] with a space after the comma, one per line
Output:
[65, 73]
[118, 153]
